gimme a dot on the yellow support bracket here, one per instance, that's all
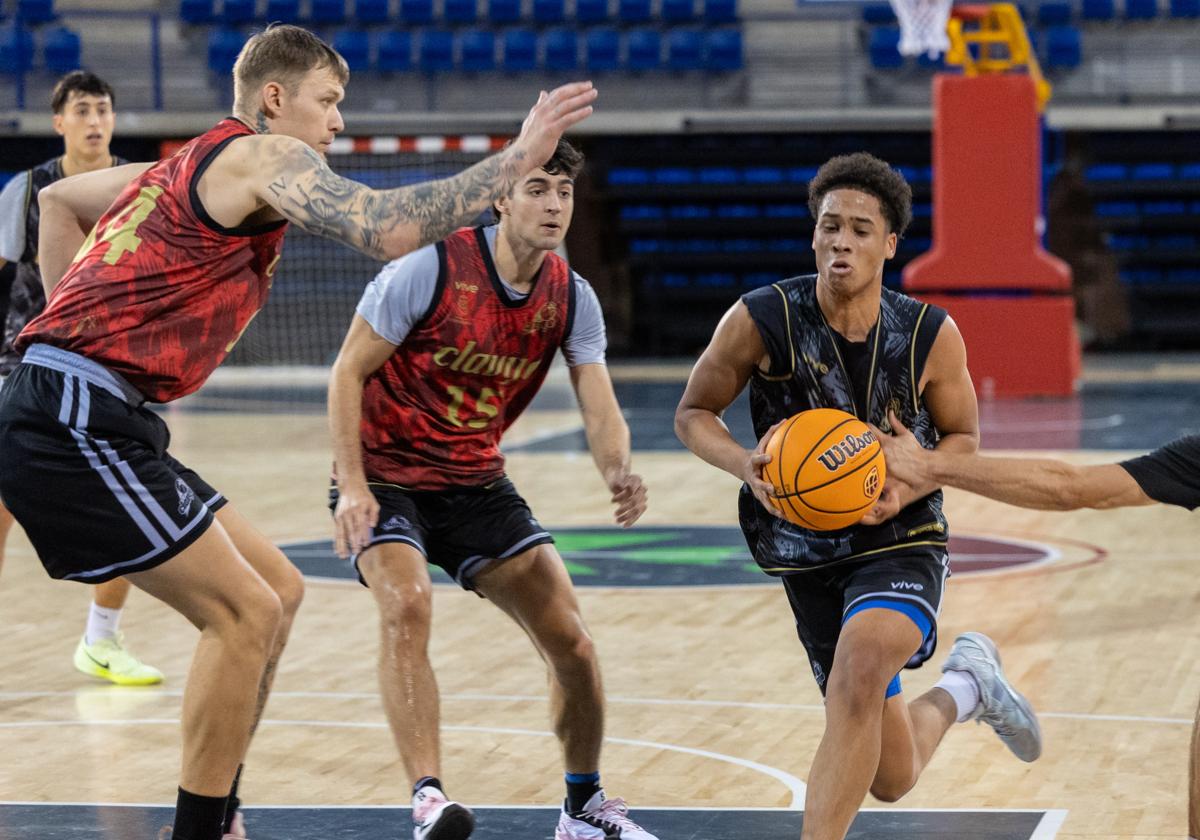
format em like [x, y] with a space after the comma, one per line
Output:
[999, 26]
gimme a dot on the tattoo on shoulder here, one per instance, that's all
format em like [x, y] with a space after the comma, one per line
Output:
[313, 196]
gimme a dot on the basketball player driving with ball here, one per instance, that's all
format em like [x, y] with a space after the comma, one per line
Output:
[866, 598]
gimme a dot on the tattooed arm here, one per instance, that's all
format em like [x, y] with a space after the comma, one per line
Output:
[295, 181]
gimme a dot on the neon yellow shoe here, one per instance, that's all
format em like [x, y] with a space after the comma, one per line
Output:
[110, 660]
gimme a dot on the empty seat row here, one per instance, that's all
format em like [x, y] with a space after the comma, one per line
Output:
[709, 280]
[1151, 171]
[1168, 207]
[518, 50]
[635, 176]
[1154, 276]
[1061, 48]
[721, 212]
[1058, 12]
[455, 12]
[61, 49]
[1142, 242]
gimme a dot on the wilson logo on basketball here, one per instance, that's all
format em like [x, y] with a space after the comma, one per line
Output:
[871, 482]
[844, 450]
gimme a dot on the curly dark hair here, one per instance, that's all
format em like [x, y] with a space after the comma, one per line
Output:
[866, 173]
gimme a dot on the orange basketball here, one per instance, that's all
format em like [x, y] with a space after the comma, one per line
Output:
[828, 468]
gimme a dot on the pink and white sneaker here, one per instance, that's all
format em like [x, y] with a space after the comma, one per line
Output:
[600, 819]
[437, 818]
[237, 828]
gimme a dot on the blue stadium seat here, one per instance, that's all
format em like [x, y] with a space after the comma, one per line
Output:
[685, 50]
[234, 12]
[723, 50]
[628, 176]
[1055, 13]
[459, 11]
[720, 175]
[34, 12]
[1185, 8]
[61, 50]
[549, 11]
[633, 11]
[1189, 171]
[1141, 9]
[394, 52]
[1063, 47]
[562, 49]
[355, 47]
[1097, 10]
[16, 49]
[1152, 172]
[520, 50]
[643, 49]
[477, 50]
[283, 11]
[720, 11]
[416, 12]
[223, 48]
[1106, 172]
[328, 11]
[436, 50]
[603, 50]
[678, 11]
[673, 175]
[367, 12]
[884, 48]
[503, 11]
[878, 14]
[197, 11]
[591, 11]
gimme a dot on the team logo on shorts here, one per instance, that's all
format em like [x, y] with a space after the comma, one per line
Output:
[396, 523]
[871, 482]
[186, 496]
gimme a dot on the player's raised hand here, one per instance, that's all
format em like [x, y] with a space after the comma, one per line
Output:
[553, 114]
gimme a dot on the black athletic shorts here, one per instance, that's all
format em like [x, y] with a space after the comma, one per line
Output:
[462, 530]
[823, 599]
[84, 468]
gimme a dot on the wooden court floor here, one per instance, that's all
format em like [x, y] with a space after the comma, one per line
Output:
[711, 702]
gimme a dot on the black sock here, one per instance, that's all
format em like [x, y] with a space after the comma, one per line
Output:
[427, 781]
[580, 788]
[232, 805]
[198, 817]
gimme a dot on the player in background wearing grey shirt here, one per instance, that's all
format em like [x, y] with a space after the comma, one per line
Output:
[83, 114]
[448, 346]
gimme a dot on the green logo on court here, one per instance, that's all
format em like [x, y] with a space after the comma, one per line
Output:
[680, 556]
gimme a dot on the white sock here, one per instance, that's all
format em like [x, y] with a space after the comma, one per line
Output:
[963, 689]
[102, 623]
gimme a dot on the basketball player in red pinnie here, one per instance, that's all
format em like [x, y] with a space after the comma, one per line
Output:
[866, 598]
[422, 391]
[147, 307]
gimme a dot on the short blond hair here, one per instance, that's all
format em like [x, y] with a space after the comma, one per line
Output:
[284, 54]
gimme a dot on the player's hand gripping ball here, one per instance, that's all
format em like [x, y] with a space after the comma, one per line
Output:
[827, 467]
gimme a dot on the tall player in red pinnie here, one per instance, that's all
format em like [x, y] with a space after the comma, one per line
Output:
[152, 302]
[447, 348]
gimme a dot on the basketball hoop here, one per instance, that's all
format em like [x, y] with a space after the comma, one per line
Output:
[923, 26]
